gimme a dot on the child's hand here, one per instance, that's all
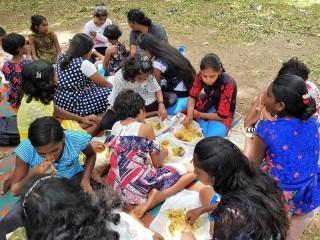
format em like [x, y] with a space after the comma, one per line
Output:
[164, 154]
[90, 120]
[162, 112]
[93, 34]
[187, 121]
[43, 169]
[86, 186]
[192, 215]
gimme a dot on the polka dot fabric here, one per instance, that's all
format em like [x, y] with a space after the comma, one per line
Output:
[76, 93]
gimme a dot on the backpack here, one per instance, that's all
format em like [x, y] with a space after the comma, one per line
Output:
[9, 134]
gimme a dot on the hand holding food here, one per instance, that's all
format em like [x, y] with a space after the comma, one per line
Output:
[177, 222]
[44, 168]
[192, 215]
[187, 121]
[155, 124]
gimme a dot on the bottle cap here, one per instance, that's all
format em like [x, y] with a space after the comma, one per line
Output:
[182, 48]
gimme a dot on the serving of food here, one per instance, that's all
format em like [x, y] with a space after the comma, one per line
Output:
[173, 149]
[188, 135]
[177, 223]
[156, 124]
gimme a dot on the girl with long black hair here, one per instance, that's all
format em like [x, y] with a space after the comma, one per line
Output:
[251, 206]
[172, 70]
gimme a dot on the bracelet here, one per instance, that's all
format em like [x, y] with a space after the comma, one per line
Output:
[160, 103]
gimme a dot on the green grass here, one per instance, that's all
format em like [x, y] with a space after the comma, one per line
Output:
[314, 64]
[227, 22]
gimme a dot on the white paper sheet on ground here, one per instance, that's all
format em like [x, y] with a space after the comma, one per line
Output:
[168, 123]
[188, 155]
[186, 200]
[194, 125]
[130, 228]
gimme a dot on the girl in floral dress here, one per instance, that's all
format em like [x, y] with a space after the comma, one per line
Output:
[290, 145]
[116, 53]
[137, 172]
[14, 44]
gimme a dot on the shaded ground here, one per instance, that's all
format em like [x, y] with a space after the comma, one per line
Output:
[252, 38]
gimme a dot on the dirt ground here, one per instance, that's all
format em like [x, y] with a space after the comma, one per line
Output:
[253, 65]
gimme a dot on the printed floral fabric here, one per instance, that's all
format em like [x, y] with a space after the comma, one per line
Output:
[292, 152]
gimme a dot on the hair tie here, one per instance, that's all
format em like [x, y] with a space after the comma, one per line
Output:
[145, 58]
[306, 98]
[38, 75]
[34, 185]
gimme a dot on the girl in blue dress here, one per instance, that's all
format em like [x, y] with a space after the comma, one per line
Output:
[290, 145]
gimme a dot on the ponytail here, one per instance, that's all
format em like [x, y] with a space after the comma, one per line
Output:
[310, 107]
[292, 91]
[36, 21]
[66, 59]
[137, 16]
[80, 45]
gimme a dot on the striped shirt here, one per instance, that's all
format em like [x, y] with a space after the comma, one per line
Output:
[68, 165]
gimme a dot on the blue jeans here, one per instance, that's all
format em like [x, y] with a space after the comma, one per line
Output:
[213, 128]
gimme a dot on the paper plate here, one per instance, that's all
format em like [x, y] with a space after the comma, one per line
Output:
[199, 233]
[185, 200]
[173, 143]
[164, 125]
[194, 126]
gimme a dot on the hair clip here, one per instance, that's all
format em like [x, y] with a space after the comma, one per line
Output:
[38, 75]
[306, 98]
[145, 58]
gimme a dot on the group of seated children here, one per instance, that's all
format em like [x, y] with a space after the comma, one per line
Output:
[59, 108]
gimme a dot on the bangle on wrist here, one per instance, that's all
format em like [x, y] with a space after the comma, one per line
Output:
[160, 102]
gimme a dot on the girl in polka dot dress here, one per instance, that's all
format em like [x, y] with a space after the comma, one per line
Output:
[81, 89]
[290, 145]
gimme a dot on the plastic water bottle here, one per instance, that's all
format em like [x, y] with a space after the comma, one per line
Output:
[100, 69]
[182, 49]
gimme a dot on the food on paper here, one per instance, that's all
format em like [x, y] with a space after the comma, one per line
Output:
[188, 134]
[178, 223]
[178, 151]
[155, 124]
[174, 150]
[164, 144]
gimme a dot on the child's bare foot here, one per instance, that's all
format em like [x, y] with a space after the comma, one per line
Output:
[5, 186]
[139, 211]
[154, 198]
